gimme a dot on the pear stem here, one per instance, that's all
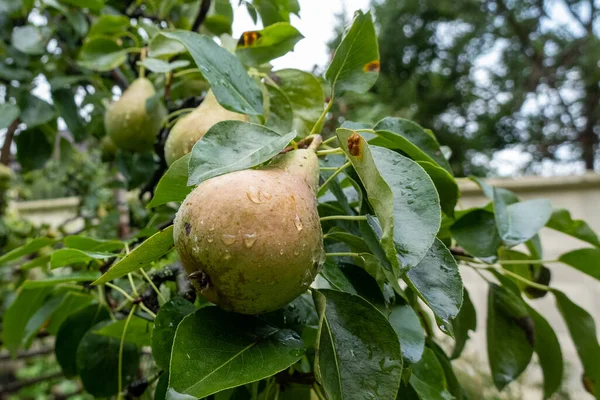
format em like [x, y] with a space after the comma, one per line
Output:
[317, 140]
[344, 217]
[142, 57]
[332, 177]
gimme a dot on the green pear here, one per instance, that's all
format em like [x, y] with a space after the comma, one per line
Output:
[251, 240]
[190, 128]
[129, 123]
[109, 150]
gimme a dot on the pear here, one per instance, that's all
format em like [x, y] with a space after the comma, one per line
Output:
[251, 240]
[190, 128]
[128, 122]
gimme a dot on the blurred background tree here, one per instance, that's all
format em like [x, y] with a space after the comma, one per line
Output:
[491, 75]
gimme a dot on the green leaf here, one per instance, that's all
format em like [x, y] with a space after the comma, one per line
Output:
[358, 352]
[230, 146]
[139, 331]
[561, 221]
[173, 184]
[101, 54]
[445, 184]
[428, 378]
[86, 243]
[36, 111]
[70, 304]
[33, 148]
[150, 250]
[64, 101]
[355, 64]
[109, 25]
[547, 347]
[336, 278]
[8, 113]
[305, 94]
[273, 11]
[80, 276]
[393, 184]
[582, 328]
[437, 281]
[28, 248]
[465, 321]
[220, 18]
[280, 115]
[31, 40]
[585, 260]
[418, 143]
[18, 314]
[519, 222]
[229, 81]
[98, 360]
[476, 232]
[71, 332]
[532, 272]
[215, 350]
[407, 325]
[165, 324]
[41, 316]
[454, 386]
[62, 257]
[259, 47]
[94, 5]
[505, 195]
[17, 74]
[162, 67]
[162, 46]
[509, 335]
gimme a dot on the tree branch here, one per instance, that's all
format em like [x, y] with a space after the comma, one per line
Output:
[202, 13]
[18, 385]
[10, 133]
[28, 354]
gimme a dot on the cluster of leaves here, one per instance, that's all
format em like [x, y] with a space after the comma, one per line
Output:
[393, 234]
[479, 74]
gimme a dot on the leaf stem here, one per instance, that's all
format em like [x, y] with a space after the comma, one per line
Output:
[516, 276]
[332, 177]
[327, 141]
[342, 254]
[120, 367]
[317, 125]
[118, 289]
[102, 300]
[143, 53]
[344, 217]
[176, 113]
[507, 262]
[147, 310]
[133, 289]
[337, 150]
[186, 71]
[365, 131]
[158, 293]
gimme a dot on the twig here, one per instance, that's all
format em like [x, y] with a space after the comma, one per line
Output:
[28, 354]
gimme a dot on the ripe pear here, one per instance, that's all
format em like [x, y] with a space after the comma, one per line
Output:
[129, 123]
[251, 240]
[190, 128]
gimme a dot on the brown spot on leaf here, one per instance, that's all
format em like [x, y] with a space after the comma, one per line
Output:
[354, 145]
[188, 228]
[372, 66]
[249, 38]
[588, 384]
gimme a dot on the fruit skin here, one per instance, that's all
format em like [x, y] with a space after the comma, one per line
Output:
[190, 128]
[251, 240]
[127, 121]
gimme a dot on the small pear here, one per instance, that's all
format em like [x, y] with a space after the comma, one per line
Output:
[109, 150]
[251, 240]
[128, 122]
[190, 128]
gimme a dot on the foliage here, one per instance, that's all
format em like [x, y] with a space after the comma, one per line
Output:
[490, 76]
[395, 240]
